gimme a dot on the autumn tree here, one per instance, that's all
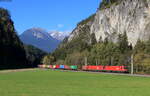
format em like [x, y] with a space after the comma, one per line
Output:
[48, 60]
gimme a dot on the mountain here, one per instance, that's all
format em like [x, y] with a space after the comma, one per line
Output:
[12, 53]
[116, 17]
[40, 38]
[58, 35]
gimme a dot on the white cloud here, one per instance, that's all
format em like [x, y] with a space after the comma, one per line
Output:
[60, 25]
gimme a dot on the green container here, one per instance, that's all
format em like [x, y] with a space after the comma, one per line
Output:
[74, 67]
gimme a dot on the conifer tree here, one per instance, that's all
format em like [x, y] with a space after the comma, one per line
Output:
[123, 42]
[93, 39]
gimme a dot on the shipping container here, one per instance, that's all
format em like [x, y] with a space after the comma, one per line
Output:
[47, 66]
[73, 67]
[51, 66]
[39, 66]
[43, 66]
[62, 66]
[57, 66]
[67, 67]
[54, 66]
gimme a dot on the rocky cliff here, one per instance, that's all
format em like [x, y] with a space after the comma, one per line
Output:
[130, 16]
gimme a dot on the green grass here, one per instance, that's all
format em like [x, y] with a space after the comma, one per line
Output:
[56, 83]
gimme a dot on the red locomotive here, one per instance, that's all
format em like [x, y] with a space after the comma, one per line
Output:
[105, 68]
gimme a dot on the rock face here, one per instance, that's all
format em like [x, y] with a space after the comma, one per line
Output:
[40, 38]
[130, 16]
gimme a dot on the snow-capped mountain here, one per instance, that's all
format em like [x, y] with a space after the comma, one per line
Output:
[58, 35]
[40, 38]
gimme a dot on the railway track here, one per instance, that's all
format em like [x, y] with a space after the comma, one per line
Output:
[123, 74]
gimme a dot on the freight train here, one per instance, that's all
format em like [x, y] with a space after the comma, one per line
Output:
[87, 68]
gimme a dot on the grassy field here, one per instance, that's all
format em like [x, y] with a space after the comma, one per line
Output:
[56, 83]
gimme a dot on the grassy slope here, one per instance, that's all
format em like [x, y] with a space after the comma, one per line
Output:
[55, 83]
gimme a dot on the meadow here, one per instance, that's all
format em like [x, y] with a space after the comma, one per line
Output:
[57, 83]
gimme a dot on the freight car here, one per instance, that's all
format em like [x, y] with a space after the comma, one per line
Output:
[64, 67]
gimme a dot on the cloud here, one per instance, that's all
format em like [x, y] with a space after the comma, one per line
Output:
[60, 25]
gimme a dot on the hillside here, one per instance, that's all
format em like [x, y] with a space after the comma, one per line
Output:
[34, 55]
[12, 53]
[119, 29]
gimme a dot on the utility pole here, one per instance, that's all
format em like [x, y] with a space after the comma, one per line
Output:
[132, 64]
[85, 61]
[111, 60]
[96, 62]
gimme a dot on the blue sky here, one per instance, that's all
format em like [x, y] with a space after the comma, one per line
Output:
[60, 15]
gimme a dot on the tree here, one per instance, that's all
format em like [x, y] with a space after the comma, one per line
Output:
[141, 57]
[108, 3]
[93, 39]
[147, 47]
[100, 40]
[123, 42]
[60, 62]
[34, 55]
[102, 53]
[106, 41]
[48, 60]
[76, 58]
[12, 53]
